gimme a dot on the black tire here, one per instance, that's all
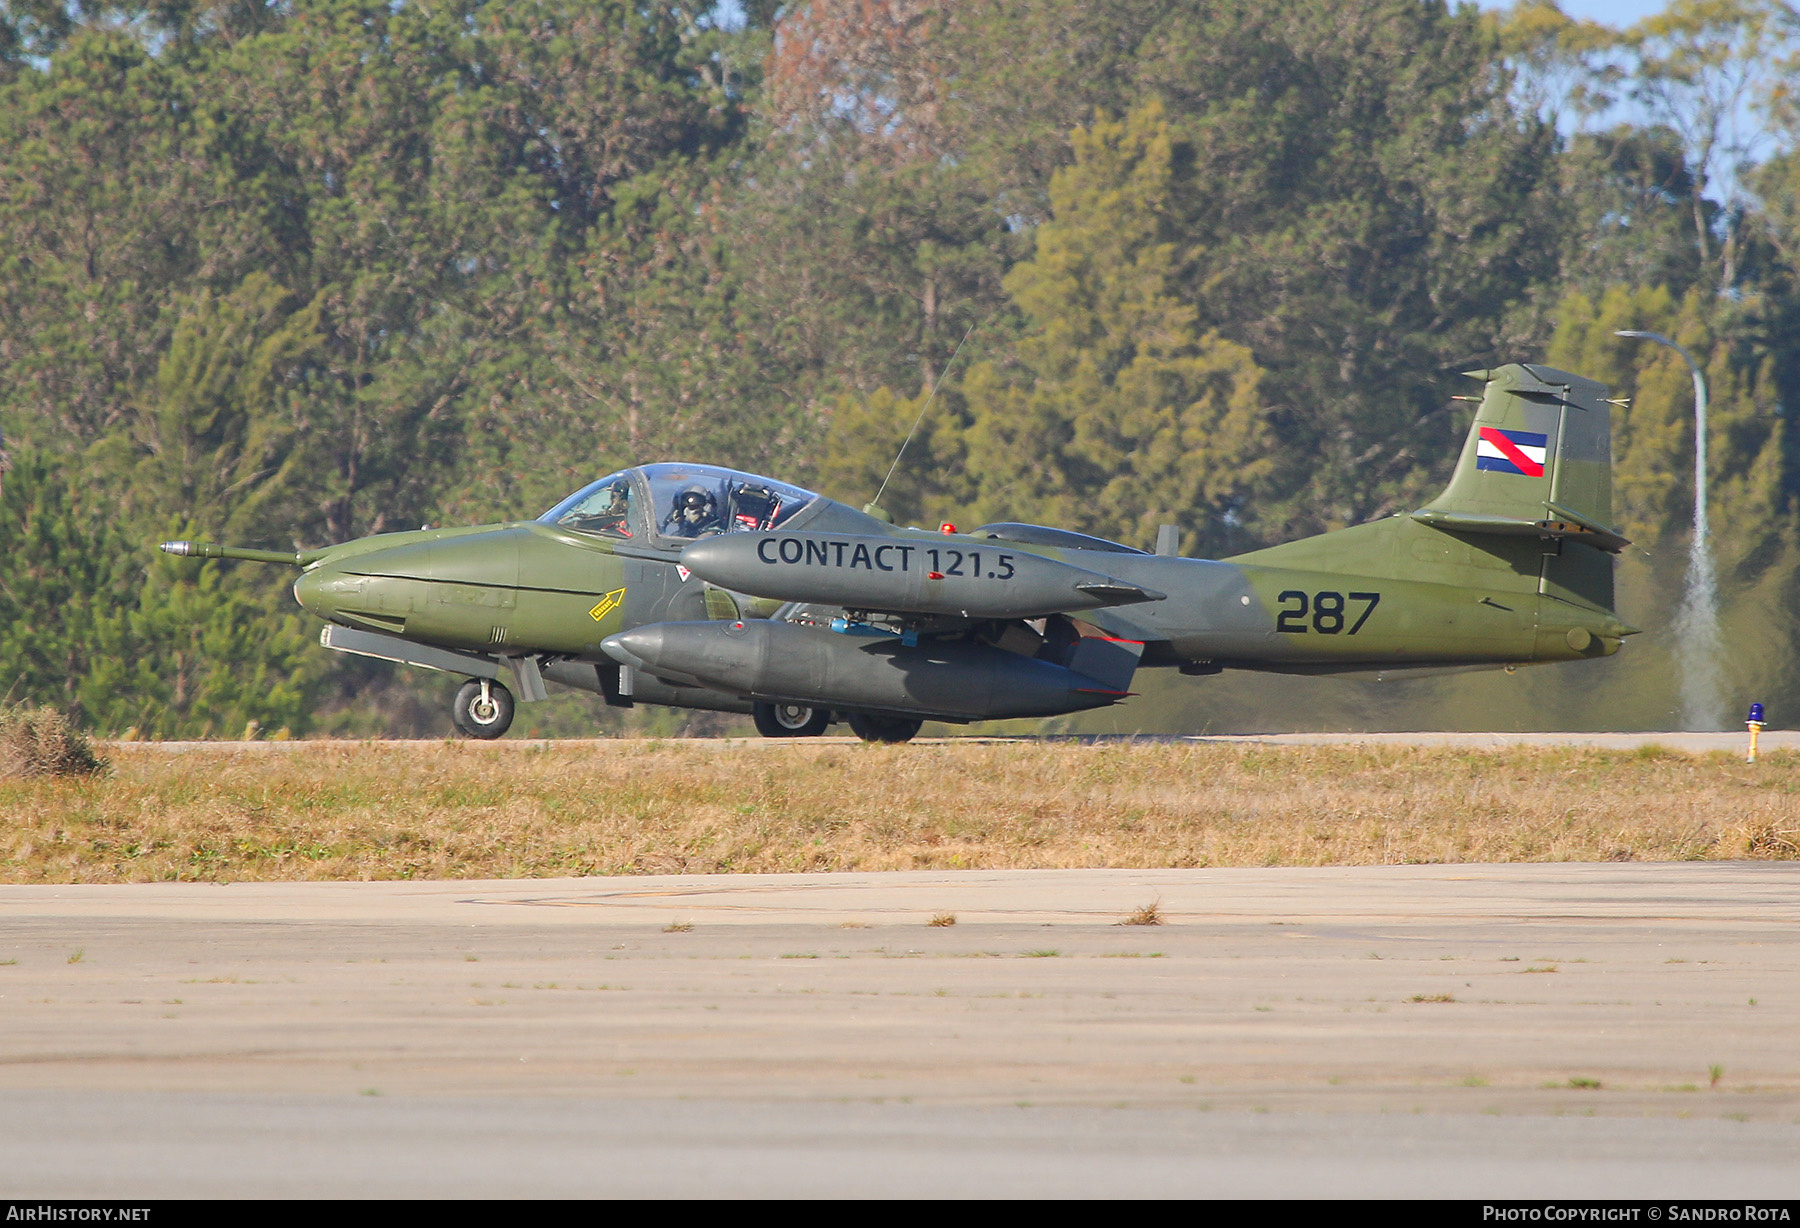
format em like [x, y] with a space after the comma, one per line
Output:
[884, 728]
[475, 720]
[790, 720]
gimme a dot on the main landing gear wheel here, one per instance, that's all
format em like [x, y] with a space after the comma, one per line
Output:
[884, 728]
[790, 720]
[483, 709]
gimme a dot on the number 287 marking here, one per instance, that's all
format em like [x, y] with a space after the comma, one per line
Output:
[1327, 611]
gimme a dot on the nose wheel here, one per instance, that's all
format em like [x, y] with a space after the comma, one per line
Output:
[790, 720]
[483, 708]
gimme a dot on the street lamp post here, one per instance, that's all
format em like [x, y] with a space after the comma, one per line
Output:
[1697, 623]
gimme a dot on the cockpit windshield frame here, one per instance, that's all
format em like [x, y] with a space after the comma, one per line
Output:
[610, 507]
[673, 502]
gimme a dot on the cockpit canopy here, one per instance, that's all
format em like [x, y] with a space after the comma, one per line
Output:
[678, 501]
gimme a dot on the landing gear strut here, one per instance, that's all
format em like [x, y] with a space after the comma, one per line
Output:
[884, 728]
[790, 720]
[483, 708]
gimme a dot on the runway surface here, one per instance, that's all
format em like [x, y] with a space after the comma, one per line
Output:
[1694, 743]
[1511, 1031]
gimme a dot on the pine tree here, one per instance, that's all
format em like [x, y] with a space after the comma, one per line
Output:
[94, 623]
[1121, 413]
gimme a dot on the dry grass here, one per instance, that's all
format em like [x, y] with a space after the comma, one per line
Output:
[456, 810]
[1149, 914]
[41, 742]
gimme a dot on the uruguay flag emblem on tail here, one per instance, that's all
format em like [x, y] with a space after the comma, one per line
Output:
[1519, 452]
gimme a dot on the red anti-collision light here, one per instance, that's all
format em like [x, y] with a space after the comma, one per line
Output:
[946, 527]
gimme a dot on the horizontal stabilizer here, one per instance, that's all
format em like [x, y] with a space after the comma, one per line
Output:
[1560, 523]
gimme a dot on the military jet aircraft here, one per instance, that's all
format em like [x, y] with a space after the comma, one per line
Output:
[703, 587]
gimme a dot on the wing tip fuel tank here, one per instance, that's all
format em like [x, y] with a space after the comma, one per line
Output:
[905, 575]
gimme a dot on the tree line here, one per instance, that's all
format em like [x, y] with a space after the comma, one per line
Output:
[285, 273]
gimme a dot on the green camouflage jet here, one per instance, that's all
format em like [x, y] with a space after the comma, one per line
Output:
[701, 587]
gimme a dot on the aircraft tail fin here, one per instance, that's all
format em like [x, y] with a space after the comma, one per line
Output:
[1528, 508]
[1538, 463]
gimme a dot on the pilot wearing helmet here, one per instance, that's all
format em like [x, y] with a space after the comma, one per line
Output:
[695, 514]
[607, 511]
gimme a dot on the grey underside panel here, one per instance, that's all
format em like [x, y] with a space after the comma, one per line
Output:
[393, 648]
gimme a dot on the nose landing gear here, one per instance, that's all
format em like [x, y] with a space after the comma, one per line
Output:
[483, 708]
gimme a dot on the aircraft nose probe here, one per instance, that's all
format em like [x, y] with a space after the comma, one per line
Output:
[307, 590]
